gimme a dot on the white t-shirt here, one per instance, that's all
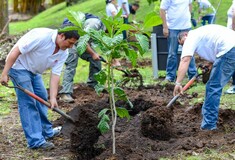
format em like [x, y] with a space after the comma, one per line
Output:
[125, 2]
[111, 8]
[177, 13]
[209, 42]
[37, 47]
[230, 15]
[205, 4]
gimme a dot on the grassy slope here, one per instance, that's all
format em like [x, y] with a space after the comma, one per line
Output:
[54, 16]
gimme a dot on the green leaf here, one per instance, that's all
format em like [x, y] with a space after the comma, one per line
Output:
[101, 77]
[82, 44]
[132, 56]
[123, 112]
[108, 24]
[143, 41]
[103, 112]
[152, 19]
[124, 27]
[103, 124]
[77, 18]
[120, 93]
[99, 88]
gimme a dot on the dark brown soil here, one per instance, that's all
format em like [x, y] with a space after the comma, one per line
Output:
[152, 132]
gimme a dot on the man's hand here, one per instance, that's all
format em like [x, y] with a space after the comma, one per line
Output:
[95, 57]
[4, 80]
[53, 103]
[116, 63]
[178, 90]
[165, 31]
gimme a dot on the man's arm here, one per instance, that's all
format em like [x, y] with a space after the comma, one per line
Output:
[190, 7]
[54, 84]
[125, 9]
[183, 67]
[11, 58]
[93, 54]
[233, 19]
[165, 27]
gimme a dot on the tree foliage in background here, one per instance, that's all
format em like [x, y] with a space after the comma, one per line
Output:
[4, 16]
[152, 1]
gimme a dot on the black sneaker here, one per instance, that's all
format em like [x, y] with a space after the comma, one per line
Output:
[47, 146]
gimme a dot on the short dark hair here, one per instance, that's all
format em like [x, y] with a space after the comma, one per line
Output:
[136, 4]
[70, 33]
[108, 1]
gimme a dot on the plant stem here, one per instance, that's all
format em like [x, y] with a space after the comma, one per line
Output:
[115, 112]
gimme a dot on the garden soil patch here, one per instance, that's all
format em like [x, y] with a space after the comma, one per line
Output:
[146, 136]
[152, 132]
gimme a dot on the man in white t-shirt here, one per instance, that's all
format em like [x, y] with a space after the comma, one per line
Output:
[112, 8]
[38, 50]
[176, 17]
[206, 12]
[125, 13]
[213, 43]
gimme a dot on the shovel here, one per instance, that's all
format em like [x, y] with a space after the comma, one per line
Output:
[126, 72]
[190, 82]
[40, 100]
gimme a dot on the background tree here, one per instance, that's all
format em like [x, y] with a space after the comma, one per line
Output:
[29, 6]
[4, 17]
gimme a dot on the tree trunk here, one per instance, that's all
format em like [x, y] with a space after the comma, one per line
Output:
[4, 16]
[28, 6]
[15, 6]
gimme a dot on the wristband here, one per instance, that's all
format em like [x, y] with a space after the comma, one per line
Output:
[177, 84]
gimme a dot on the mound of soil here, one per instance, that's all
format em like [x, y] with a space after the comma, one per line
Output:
[152, 132]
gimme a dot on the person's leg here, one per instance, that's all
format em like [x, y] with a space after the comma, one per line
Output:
[28, 110]
[192, 70]
[41, 91]
[231, 89]
[125, 20]
[211, 19]
[69, 72]
[94, 67]
[222, 71]
[204, 19]
[233, 77]
[172, 60]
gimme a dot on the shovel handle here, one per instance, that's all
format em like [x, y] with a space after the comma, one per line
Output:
[41, 100]
[46, 103]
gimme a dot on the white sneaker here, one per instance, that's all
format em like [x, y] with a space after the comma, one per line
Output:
[231, 90]
[56, 132]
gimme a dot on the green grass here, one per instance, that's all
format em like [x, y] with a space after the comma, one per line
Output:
[54, 16]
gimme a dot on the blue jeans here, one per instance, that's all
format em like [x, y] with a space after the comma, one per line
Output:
[70, 70]
[33, 114]
[210, 19]
[172, 61]
[222, 71]
[233, 79]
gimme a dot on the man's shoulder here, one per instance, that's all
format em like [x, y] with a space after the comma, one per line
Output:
[90, 15]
